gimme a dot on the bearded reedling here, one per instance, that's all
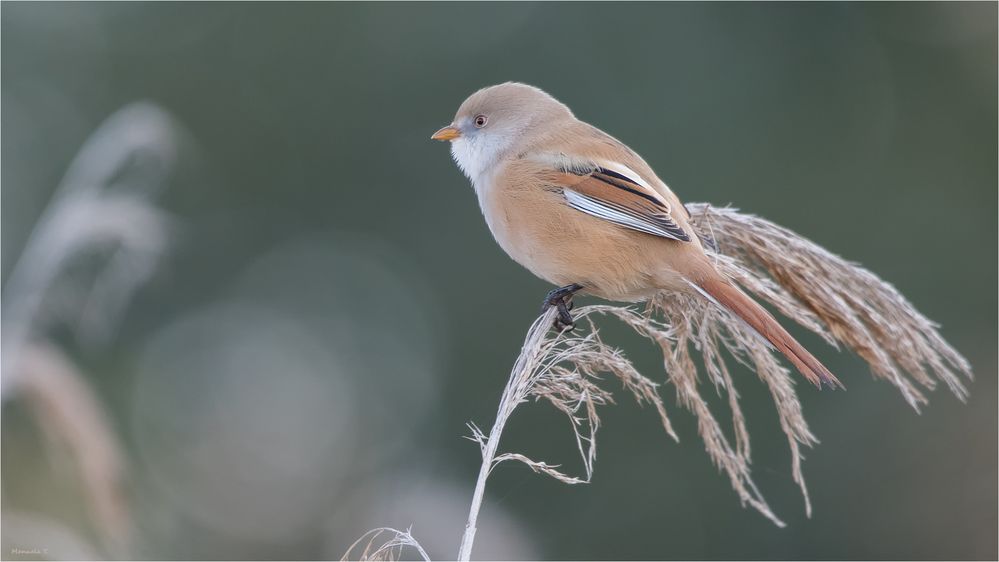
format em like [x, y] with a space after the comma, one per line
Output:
[581, 210]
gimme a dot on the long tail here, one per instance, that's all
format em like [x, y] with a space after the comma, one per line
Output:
[730, 297]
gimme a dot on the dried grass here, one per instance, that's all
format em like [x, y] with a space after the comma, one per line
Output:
[379, 548]
[101, 216]
[838, 300]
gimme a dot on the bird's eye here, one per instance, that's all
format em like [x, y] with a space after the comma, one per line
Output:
[480, 121]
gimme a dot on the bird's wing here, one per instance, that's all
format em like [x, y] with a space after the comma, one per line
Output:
[619, 197]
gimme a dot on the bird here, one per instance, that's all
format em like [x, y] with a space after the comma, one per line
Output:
[583, 211]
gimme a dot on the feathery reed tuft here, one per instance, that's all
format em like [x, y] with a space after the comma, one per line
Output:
[838, 300]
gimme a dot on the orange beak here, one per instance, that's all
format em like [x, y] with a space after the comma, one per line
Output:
[446, 133]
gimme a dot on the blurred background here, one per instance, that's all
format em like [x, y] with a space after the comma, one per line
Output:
[249, 306]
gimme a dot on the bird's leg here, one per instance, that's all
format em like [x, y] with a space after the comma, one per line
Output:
[561, 298]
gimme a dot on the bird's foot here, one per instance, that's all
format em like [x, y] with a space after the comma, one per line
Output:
[561, 299]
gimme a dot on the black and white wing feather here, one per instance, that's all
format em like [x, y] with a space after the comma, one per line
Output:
[624, 201]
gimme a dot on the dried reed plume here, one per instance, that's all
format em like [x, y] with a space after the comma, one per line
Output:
[389, 548]
[102, 207]
[838, 300]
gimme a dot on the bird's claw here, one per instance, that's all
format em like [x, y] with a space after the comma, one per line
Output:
[561, 299]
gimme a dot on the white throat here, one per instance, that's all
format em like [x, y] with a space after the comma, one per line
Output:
[476, 156]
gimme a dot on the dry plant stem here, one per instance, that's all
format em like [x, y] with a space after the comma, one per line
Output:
[488, 456]
[513, 394]
[563, 369]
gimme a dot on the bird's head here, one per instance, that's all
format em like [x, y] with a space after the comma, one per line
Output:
[495, 120]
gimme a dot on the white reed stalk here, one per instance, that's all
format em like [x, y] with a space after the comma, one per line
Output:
[514, 393]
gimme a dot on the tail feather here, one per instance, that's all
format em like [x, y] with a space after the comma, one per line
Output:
[735, 301]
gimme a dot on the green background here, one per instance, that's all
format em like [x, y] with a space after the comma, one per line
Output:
[333, 310]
